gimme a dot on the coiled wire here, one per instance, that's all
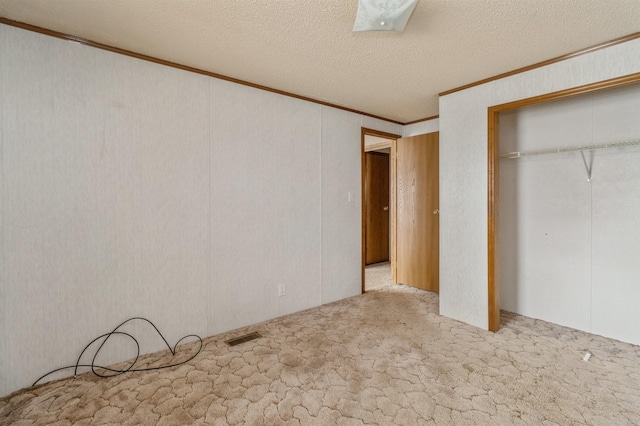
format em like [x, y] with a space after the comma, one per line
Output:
[130, 368]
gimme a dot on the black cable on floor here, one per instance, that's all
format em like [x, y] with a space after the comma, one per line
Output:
[117, 372]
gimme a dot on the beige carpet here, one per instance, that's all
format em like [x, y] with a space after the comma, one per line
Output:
[377, 275]
[384, 357]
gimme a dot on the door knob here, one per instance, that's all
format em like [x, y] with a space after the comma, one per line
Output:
[385, 208]
[436, 211]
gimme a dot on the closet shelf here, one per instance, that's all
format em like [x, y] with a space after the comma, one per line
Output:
[594, 147]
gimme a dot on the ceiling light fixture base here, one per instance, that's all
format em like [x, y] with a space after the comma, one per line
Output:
[383, 15]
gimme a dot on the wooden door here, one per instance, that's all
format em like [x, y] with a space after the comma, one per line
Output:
[376, 190]
[416, 196]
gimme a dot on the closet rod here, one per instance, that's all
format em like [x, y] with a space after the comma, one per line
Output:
[594, 147]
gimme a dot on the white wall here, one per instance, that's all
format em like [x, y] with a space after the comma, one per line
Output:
[128, 188]
[463, 168]
[570, 248]
[428, 126]
[341, 219]
[265, 211]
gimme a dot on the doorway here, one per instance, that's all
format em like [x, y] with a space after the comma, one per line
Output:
[376, 211]
[408, 213]
[376, 208]
[377, 225]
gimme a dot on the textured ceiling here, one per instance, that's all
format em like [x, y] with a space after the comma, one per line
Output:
[307, 47]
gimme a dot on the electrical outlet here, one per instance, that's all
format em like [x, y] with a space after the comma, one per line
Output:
[281, 290]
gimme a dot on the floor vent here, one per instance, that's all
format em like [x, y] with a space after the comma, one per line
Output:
[243, 339]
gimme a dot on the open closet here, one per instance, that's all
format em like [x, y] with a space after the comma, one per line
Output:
[569, 212]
